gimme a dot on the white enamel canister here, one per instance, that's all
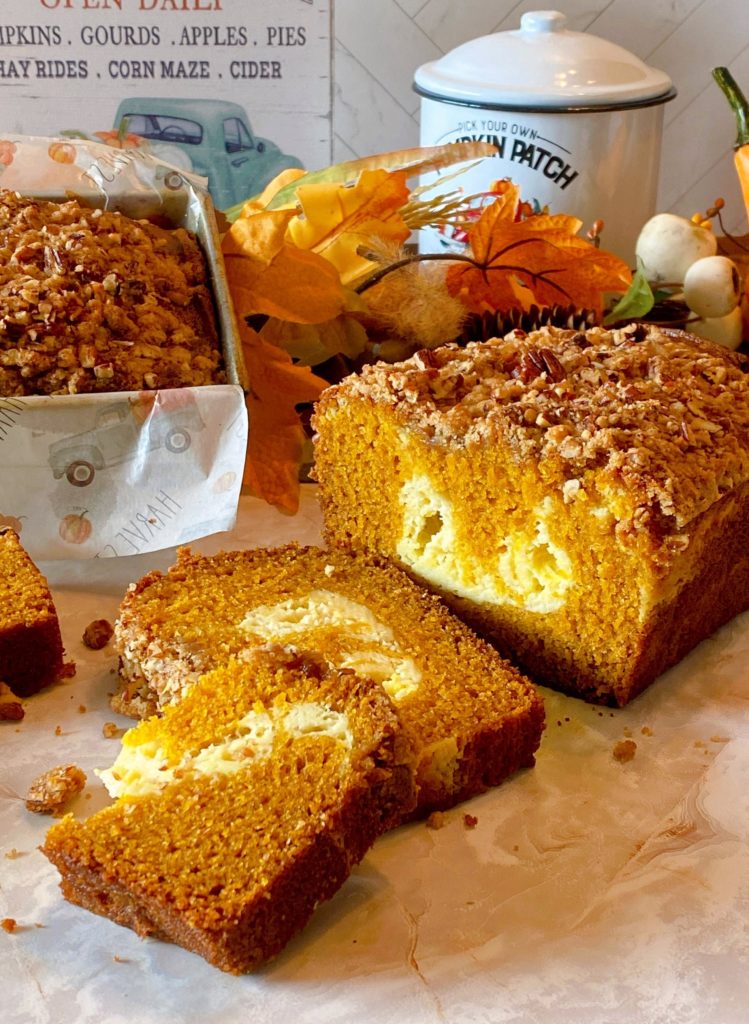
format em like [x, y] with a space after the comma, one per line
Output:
[576, 121]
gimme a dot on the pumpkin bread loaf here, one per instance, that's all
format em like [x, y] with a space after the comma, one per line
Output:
[471, 718]
[240, 809]
[581, 498]
[92, 300]
[31, 651]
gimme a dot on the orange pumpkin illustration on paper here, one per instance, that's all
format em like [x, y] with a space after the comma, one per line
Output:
[142, 406]
[75, 528]
[225, 482]
[61, 152]
[7, 152]
[120, 140]
[11, 522]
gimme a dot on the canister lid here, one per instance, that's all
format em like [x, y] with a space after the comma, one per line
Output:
[543, 65]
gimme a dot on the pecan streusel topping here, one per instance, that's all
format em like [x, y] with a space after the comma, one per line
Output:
[657, 413]
[91, 300]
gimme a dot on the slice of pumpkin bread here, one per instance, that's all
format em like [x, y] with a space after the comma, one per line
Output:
[31, 651]
[240, 809]
[471, 718]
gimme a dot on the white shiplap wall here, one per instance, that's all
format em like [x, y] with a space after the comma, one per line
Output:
[379, 44]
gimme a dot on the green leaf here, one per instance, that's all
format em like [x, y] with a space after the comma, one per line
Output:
[636, 302]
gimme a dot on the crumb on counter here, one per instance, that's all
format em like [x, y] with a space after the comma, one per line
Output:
[9, 925]
[470, 820]
[437, 819]
[69, 669]
[97, 634]
[646, 730]
[110, 730]
[58, 730]
[54, 788]
[13, 853]
[11, 708]
[82, 709]
[624, 751]
[720, 739]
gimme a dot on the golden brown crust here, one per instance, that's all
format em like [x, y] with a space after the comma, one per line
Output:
[663, 414]
[92, 300]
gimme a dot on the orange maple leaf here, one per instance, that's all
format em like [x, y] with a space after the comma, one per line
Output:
[276, 278]
[338, 219]
[538, 259]
[277, 437]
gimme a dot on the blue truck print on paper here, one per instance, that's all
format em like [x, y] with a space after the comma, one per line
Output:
[119, 433]
[217, 138]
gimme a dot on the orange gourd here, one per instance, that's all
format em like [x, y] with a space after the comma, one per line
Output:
[740, 106]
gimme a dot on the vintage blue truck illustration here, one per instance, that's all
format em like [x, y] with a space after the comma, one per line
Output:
[119, 434]
[216, 136]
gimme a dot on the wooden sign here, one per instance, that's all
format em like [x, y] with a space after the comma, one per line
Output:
[236, 90]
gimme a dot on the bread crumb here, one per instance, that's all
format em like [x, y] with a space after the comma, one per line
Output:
[11, 708]
[54, 788]
[720, 739]
[13, 853]
[470, 820]
[437, 819]
[120, 959]
[627, 731]
[97, 634]
[9, 925]
[110, 730]
[68, 670]
[58, 730]
[699, 743]
[624, 750]
[646, 730]
[82, 709]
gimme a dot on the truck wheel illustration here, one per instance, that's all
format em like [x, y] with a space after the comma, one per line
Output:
[80, 474]
[177, 440]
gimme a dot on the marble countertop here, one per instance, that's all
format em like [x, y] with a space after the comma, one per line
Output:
[590, 890]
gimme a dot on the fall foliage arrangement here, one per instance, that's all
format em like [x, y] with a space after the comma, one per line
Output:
[320, 277]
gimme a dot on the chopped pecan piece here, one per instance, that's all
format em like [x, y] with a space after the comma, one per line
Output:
[624, 751]
[97, 634]
[54, 788]
[554, 369]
